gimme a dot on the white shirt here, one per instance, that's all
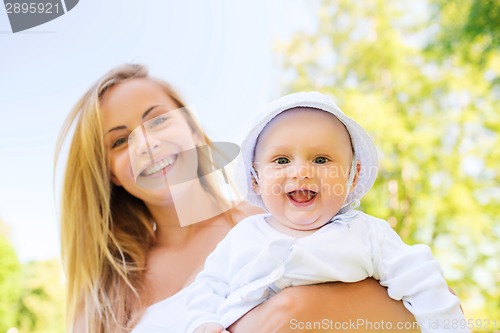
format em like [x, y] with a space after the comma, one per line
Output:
[254, 261]
[166, 316]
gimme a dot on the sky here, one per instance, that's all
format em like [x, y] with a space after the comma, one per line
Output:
[218, 54]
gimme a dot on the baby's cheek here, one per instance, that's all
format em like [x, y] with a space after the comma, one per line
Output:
[271, 190]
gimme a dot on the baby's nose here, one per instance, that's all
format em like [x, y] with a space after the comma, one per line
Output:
[299, 170]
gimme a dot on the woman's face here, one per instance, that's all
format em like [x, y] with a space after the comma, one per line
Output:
[149, 145]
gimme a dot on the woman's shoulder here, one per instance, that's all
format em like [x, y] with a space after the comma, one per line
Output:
[244, 210]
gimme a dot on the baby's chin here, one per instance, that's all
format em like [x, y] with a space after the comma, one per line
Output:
[305, 224]
[310, 227]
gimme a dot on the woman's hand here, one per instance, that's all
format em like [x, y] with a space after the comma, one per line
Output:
[330, 307]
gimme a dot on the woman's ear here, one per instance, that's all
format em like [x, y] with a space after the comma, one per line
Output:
[197, 139]
[115, 180]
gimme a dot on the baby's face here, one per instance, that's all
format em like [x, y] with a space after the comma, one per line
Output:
[302, 159]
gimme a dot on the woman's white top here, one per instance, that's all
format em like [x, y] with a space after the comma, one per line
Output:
[166, 316]
[254, 261]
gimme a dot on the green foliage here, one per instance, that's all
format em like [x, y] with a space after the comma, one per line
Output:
[468, 28]
[42, 301]
[31, 294]
[436, 125]
[10, 286]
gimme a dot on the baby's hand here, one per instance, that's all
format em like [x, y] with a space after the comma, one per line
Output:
[210, 328]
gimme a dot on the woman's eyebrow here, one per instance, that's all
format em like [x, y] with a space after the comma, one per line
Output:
[117, 128]
[145, 114]
[122, 127]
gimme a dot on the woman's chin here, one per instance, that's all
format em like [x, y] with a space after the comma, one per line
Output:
[152, 182]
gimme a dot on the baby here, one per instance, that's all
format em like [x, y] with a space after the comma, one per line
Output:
[308, 164]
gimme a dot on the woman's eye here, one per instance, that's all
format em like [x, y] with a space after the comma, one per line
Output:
[119, 142]
[157, 121]
[320, 160]
[282, 160]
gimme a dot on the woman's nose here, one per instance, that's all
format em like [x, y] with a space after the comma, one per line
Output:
[143, 144]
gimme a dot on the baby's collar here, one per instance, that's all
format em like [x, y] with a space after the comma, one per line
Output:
[344, 217]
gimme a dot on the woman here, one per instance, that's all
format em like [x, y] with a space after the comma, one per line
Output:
[128, 261]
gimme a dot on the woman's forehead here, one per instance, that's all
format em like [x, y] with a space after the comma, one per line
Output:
[128, 101]
[135, 92]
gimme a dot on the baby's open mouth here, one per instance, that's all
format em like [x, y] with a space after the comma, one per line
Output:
[159, 166]
[302, 196]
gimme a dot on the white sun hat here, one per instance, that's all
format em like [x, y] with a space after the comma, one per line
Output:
[364, 149]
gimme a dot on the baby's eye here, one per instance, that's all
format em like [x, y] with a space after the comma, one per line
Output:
[118, 142]
[320, 160]
[281, 160]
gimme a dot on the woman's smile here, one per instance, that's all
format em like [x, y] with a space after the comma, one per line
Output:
[160, 167]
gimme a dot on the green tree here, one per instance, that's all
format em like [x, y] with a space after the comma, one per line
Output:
[436, 124]
[10, 286]
[41, 305]
[31, 294]
[468, 29]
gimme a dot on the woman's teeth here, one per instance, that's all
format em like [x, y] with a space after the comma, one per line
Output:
[158, 166]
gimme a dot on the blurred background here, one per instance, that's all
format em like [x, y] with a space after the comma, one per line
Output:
[421, 76]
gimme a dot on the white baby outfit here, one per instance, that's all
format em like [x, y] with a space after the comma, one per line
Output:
[255, 261]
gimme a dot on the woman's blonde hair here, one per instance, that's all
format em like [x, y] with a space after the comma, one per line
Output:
[105, 231]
